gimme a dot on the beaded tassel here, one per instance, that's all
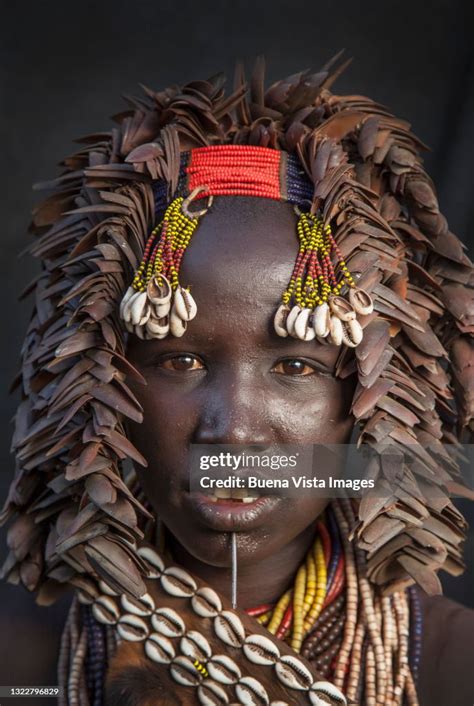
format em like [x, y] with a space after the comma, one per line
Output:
[156, 304]
[312, 305]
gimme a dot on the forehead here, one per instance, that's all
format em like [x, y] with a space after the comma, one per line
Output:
[242, 253]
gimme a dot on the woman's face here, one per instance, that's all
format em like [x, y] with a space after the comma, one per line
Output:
[231, 380]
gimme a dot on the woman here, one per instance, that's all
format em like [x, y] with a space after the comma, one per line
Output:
[269, 267]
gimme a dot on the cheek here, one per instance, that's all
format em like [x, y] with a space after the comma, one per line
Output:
[168, 419]
[162, 438]
[322, 416]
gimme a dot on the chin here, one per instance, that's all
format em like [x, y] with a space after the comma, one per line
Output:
[213, 548]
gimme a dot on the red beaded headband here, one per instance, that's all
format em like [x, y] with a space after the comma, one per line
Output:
[237, 170]
[312, 306]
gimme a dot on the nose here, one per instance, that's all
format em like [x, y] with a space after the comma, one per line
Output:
[235, 412]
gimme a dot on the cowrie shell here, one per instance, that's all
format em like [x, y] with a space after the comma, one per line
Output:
[195, 645]
[137, 307]
[184, 672]
[159, 649]
[154, 562]
[291, 318]
[223, 669]
[280, 319]
[177, 325]
[352, 333]
[210, 693]
[105, 610]
[140, 332]
[158, 328]
[167, 622]
[126, 297]
[228, 628]
[302, 329]
[206, 602]
[293, 673]
[145, 605]
[260, 650]
[335, 330]
[161, 310]
[178, 582]
[321, 320]
[361, 301]
[132, 628]
[127, 307]
[250, 692]
[327, 689]
[341, 308]
[184, 304]
[157, 293]
[146, 313]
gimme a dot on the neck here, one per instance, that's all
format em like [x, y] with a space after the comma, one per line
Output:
[257, 583]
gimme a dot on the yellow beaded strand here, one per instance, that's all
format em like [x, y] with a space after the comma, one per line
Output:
[298, 604]
[278, 611]
[310, 584]
[321, 582]
[176, 230]
[306, 597]
[265, 617]
[306, 290]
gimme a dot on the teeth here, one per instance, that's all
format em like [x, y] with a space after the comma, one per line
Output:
[222, 493]
[232, 494]
[240, 493]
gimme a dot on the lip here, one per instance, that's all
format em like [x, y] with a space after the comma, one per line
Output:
[225, 516]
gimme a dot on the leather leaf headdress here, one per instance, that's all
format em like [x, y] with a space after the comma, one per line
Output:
[73, 510]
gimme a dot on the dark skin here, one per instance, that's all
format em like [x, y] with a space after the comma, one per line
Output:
[231, 380]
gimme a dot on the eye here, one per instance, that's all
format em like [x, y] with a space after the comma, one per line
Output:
[181, 363]
[294, 366]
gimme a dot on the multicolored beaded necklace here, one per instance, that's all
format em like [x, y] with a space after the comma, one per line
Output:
[366, 644]
[310, 615]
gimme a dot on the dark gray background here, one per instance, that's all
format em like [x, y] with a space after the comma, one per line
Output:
[64, 66]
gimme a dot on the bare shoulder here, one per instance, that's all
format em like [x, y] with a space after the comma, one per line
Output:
[447, 664]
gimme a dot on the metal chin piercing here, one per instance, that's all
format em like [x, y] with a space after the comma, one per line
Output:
[233, 546]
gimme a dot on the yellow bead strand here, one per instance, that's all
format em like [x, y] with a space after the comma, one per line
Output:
[298, 603]
[265, 617]
[310, 584]
[321, 581]
[278, 611]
